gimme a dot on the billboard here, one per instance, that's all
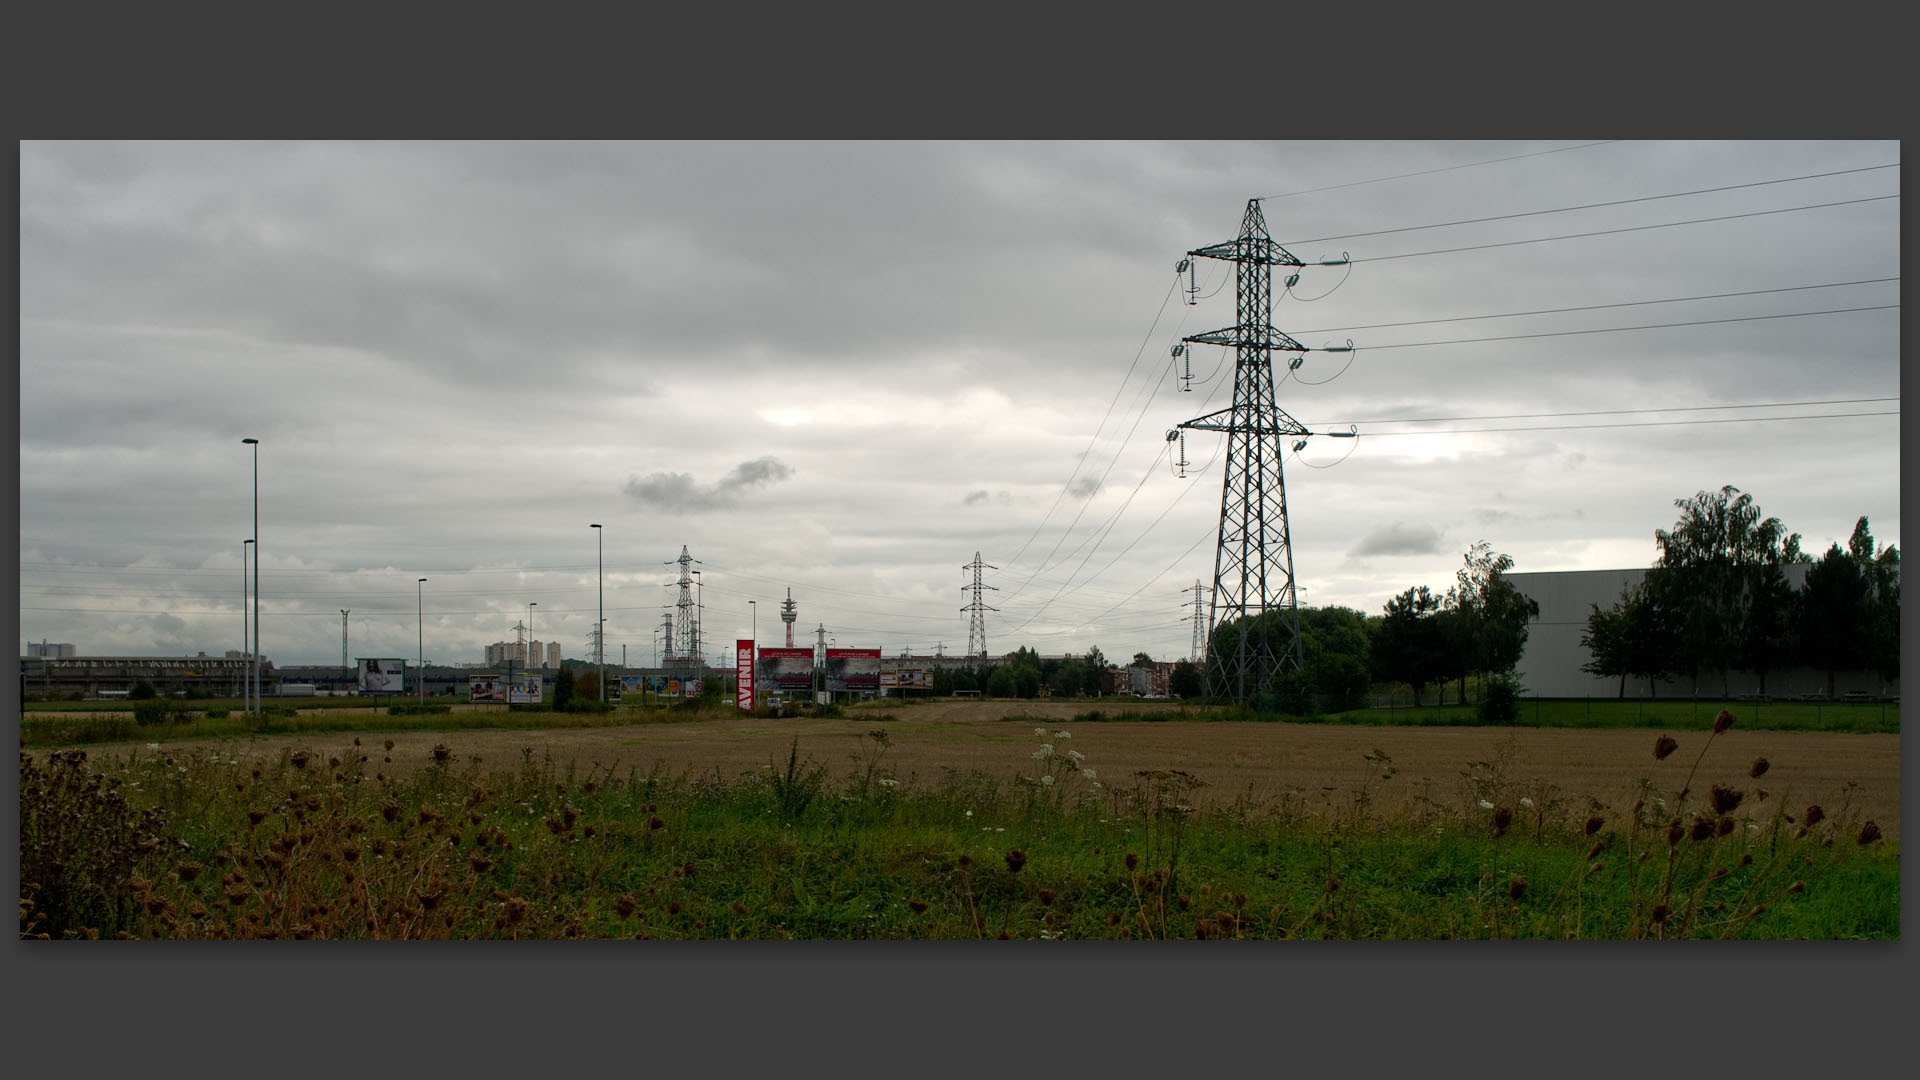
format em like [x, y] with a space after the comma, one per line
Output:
[907, 678]
[633, 684]
[382, 676]
[743, 673]
[483, 689]
[524, 691]
[853, 669]
[787, 669]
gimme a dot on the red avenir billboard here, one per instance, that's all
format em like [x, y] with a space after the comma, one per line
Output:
[743, 673]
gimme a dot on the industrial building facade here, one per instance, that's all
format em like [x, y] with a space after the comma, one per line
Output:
[1550, 665]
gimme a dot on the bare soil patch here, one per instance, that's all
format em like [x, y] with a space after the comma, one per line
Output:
[1310, 766]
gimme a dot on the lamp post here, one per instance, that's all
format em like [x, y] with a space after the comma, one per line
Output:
[246, 681]
[600, 628]
[755, 605]
[531, 658]
[699, 622]
[255, 443]
[420, 632]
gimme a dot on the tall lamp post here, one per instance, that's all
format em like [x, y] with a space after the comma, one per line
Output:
[600, 628]
[755, 605]
[246, 678]
[255, 443]
[420, 631]
[531, 658]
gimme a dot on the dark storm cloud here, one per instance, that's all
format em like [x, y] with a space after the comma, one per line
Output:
[1399, 538]
[678, 492]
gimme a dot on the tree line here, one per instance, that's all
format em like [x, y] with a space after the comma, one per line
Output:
[1717, 599]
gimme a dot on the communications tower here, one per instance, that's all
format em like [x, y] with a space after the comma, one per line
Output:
[788, 614]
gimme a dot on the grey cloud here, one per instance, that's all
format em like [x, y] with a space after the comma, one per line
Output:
[1399, 539]
[975, 498]
[678, 491]
[1084, 488]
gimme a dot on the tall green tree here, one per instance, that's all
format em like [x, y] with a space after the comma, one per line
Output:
[1184, 681]
[1409, 644]
[1835, 613]
[1485, 617]
[1882, 570]
[1713, 564]
[1634, 637]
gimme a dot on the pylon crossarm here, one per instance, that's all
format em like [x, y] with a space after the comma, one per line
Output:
[1264, 338]
[1251, 249]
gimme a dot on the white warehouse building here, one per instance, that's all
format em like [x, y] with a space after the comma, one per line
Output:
[1550, 664]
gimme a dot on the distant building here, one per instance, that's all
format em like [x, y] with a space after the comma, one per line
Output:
[93, 676]
[53, 649]
[1551, 661]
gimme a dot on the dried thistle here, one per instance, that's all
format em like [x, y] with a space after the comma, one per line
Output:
[1593, 824]
[1814, 815]
[1702, 829]
[1725, 799]
[1660, 913]
[1722, 722]
[1516, 888]
[1759, 769]
[1663, 746]
[1868, 834]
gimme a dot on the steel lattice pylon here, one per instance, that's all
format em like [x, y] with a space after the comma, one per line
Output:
[977, 628]
[1253, 566]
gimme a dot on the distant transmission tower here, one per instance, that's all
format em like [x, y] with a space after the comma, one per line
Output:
[1253, 564]
[977, 628]
[1199, 620]
[685, 643]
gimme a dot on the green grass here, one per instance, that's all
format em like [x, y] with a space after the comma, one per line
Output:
[323, 844]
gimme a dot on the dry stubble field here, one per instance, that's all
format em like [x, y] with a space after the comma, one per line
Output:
[1311, 766]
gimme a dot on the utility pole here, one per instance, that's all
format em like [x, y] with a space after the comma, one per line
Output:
[343, 638]
[977, 628]
[1253, 562]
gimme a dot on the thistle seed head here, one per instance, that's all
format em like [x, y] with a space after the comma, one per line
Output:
[1663, 746]
[1593, 824]
[1759, 769]
[1516, 888]
[1722, 722]
[1868, 834]
[1725, 799]
[1814, 815]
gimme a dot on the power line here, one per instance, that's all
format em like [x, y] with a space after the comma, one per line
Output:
[1429, 172]
[1633, 424]
[1648, 326]
[1602, 307]
[1592, 206]
[1627, 412]
[1626, 229]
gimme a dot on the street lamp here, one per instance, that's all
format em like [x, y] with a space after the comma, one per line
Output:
[530, 649]
[255, 443]
[699, 620]
[755, 605]
[420, 629]
[246, 683]
[600, 628]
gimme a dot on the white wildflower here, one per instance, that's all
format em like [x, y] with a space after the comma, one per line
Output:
[1039, 731]
[1526, 802]
[888, 782]
[999, 829]
[969, 813]
[1045, 752]
[1485, 805]
[153, 746]
[1077, 756]
[1063, 735]
[1047, 779]
[1088, 773]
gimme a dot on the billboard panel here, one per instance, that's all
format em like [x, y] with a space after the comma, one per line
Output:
[853, 669]
[525, 690]
[383, 676]
[633, 684]
[907, 678]
[486, 688]
[788, 669]
[743, 673]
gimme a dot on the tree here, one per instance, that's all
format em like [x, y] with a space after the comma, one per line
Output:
[1409, 644]
[1485, 618]
[1001, 683]
[1141, 659]
[1882, 570]
[1184, 680]
[1634, 637]
[1712, 565]
[1835, 612]
[563, 688]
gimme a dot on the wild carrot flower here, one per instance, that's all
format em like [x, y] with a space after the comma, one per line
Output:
[1063, 735]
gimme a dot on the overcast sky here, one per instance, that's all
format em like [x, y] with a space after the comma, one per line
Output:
[845, 368]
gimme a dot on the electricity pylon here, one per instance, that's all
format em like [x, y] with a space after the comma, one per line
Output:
[977, 628]
[1253, 564]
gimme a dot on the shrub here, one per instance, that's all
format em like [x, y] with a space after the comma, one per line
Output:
[1501, 703]
[159, 711]
[79, 844]
[414, 708]
[141, 691]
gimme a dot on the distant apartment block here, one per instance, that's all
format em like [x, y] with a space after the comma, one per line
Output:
[50, 649]
[545, 654]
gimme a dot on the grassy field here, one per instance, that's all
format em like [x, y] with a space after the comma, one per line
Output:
[183, 841]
